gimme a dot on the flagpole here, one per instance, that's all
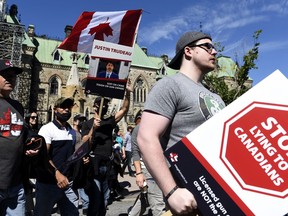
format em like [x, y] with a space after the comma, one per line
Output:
[136, 31]
[101, 107]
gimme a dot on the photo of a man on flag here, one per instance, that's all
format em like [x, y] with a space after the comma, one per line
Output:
[106, 36]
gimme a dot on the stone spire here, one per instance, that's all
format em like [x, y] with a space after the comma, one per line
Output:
[73, 78]
[74, 88]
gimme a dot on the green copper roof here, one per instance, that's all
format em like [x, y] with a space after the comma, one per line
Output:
[227, 67]
[160, 63]
[140, 59]
[47, 49]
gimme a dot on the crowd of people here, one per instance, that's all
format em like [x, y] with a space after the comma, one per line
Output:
[47, 154]
[54, 152]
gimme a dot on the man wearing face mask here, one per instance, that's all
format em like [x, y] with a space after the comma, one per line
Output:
[54, 186]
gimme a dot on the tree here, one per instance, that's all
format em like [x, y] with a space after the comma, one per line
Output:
[219, 85]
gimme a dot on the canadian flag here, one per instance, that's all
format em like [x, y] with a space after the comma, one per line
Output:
[118, 27]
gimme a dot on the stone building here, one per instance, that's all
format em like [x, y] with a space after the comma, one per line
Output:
[50, 72]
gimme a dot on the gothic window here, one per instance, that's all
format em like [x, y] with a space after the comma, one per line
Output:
[83, 83]
[163, 71]
[57, 56]
[87, 113]
[86, 60]
[49, 114]
[53, 86]
[140, 91]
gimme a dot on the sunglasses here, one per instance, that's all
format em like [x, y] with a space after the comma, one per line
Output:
[33, 117]
[208, 47]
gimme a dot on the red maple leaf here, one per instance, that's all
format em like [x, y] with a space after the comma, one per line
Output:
[100, 30]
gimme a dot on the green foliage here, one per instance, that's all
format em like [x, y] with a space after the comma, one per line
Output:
[219, 86]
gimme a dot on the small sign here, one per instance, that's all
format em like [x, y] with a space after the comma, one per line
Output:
[112, 84]
[102, 49]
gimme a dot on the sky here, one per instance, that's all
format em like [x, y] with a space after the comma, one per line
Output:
[231, 23]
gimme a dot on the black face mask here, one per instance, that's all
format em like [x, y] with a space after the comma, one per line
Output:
[80, 123]
[104, 109]
[63, 117]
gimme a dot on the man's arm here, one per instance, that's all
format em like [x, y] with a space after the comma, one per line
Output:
[125, 105]
[62, 180]
[149, 144]
[124, 108]
[96, 124]
[123, 152]
[140, 178]
[148, 139]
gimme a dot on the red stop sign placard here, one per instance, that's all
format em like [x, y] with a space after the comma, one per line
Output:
[255, 148]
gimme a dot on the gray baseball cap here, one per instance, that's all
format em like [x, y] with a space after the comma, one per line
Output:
[185, 39]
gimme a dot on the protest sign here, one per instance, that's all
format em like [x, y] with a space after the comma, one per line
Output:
[109, 38]
[236, 162]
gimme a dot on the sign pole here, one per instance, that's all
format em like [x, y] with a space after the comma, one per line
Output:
[101, 107]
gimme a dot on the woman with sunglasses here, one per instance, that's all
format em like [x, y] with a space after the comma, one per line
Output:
[32, 164]
[31, 120]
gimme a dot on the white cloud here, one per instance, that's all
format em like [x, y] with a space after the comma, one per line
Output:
[222, 19]
[279, 8]
[273, 45]
[164, 29]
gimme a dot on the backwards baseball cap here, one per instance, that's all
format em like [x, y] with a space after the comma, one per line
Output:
[63, 102]
[6, 66]
[185, 39]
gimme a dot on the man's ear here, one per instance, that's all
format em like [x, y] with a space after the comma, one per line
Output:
[188, 50]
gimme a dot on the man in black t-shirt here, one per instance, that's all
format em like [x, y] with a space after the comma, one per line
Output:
[12, 137]
[99, 131]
